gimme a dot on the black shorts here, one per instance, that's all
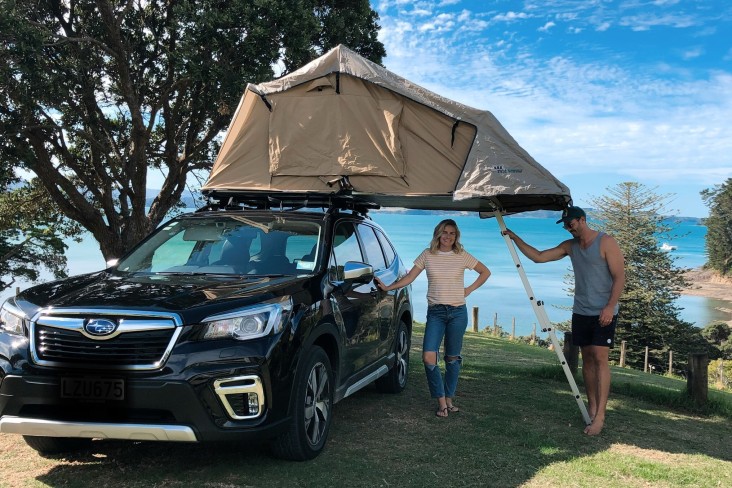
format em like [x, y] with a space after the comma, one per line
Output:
[587, 331]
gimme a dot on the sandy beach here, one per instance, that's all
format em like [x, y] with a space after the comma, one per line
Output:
[706, 283]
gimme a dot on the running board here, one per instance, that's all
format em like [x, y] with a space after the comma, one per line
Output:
[96, 430]
[367, 380]
[543, 318]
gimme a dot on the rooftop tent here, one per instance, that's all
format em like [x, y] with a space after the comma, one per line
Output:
[396, 142]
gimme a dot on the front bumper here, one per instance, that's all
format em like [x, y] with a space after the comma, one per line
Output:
[212, 407]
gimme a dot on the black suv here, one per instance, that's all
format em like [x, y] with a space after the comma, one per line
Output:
[243, 321]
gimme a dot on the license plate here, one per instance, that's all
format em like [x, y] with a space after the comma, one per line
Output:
[93, 388]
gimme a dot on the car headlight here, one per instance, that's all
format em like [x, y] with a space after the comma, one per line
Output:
[248, 323]
[12, 319]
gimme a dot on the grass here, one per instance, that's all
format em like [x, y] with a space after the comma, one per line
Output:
[519, 426]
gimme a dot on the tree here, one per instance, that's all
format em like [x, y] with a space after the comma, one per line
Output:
[31, 234]
[719, 227]
[633, 214]
[94, 94]
[718, 334]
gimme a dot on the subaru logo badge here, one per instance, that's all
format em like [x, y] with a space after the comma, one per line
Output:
[100, 327]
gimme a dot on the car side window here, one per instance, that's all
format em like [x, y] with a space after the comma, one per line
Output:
[345, 248]
[372, 247]
[389, 252]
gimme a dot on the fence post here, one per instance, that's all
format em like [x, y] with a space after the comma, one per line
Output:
[645, 363]
[571, 353]
[475, 319]
[513, 329]
[623, 344]
[533, 335]
[697, 383]
[495, 324]
[670, 363]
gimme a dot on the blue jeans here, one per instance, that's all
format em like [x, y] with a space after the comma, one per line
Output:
[449, 322]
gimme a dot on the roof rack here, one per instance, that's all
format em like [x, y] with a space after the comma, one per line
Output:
[259, 200]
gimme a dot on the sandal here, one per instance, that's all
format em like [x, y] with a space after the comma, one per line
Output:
[442, 412]
[452, 409]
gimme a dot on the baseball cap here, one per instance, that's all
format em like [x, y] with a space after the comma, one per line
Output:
[570, 214]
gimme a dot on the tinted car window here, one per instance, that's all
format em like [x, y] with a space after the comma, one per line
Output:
[372, 247]
[387, 247]
[227, 244]
[345, 248]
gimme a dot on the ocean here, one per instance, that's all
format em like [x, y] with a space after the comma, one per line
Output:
[503, 296]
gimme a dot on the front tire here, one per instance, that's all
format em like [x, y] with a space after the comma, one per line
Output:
[312, 409]
[396, 379]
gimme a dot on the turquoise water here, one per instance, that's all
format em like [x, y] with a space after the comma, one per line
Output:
[503, 293]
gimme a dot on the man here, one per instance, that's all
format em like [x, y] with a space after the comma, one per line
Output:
[599, 278]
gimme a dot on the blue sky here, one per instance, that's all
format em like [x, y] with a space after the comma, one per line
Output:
[599, 92]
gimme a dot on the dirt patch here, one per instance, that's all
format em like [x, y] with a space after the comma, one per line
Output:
[650, 454]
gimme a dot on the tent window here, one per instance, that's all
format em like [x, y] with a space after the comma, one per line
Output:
[324, 134]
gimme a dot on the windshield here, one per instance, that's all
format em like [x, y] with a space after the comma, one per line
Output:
[229, 245]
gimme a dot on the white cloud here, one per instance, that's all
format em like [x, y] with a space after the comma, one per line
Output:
[645, 22]
[510, 17]
[547, 26]
[692, 53]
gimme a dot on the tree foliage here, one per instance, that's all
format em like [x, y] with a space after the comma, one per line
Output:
[634, 215]
[31, 235]
[719, 335]
[95, 93]
[719, 227]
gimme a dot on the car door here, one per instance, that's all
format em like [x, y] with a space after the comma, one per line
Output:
[355, 304]
[384, 306]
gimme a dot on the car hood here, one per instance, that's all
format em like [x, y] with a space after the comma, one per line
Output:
[172, 293]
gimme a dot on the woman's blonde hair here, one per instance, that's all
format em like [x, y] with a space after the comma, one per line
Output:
[435, 243]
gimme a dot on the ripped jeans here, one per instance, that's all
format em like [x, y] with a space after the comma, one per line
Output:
[449, 322]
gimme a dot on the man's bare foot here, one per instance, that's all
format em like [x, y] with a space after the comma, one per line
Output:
[595, 427]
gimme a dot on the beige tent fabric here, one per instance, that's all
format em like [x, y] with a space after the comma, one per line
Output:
[361, 136]
[342, 115]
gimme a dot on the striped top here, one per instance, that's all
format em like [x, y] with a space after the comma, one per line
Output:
[445, 276]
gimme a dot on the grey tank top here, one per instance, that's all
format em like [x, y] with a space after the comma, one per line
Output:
[592, 279]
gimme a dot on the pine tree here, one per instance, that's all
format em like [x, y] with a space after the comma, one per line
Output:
[719, 227]
[649, 316]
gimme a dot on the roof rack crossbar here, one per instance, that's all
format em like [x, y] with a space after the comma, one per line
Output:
[290, 201]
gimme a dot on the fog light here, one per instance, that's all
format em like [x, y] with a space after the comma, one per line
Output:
[253, 403]
[241, 396]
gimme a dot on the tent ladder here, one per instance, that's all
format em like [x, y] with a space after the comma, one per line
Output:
[541, 315]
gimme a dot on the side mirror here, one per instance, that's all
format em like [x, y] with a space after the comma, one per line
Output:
[358, 272]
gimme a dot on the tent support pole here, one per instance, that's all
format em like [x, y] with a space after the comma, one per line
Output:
[541, 315]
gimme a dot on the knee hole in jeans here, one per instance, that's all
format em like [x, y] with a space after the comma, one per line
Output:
[429, 358]
[453, 359]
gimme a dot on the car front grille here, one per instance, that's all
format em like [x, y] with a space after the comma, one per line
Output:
[130, 341]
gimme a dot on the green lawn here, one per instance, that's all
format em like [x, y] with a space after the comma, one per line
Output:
[519, 426]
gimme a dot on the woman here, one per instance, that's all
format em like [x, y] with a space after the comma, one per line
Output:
[447, 315]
